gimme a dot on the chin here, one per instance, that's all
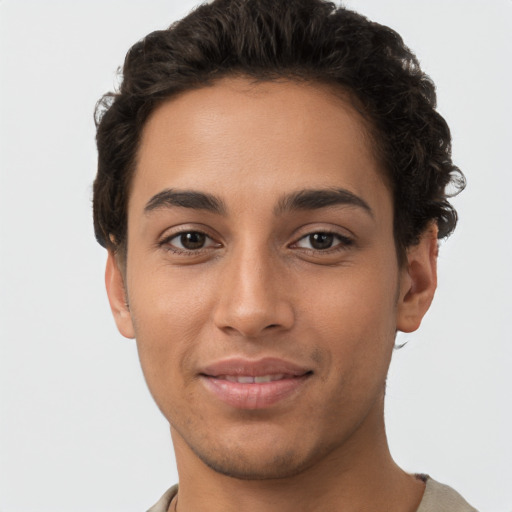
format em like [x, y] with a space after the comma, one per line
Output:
[268, 468]
[250, 458]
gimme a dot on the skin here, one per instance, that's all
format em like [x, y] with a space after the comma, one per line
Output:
[259, 287]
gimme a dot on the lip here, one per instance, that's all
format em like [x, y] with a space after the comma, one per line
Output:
[253, 395]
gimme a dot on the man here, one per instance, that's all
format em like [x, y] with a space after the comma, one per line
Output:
[271, 189]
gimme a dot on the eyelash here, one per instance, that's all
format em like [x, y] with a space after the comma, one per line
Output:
[343, 244]
[166, 243]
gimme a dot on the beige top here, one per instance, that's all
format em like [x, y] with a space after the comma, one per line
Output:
[441, 498]
[437, 498]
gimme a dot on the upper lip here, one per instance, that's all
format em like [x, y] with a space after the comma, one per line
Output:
[254, 368]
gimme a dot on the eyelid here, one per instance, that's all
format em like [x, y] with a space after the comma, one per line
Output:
[179, 235]
[320, 227]
[169, 235]
[341, 238]
[344, 240]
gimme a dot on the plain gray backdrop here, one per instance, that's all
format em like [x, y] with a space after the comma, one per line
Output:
[78, 429]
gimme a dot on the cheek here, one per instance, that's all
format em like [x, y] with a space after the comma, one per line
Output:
[355, 318]
[167, 304]
[168, 316]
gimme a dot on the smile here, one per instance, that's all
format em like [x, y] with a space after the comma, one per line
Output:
[247, 379]
[245, 384]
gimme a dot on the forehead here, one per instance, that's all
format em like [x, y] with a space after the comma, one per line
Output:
[242, 136]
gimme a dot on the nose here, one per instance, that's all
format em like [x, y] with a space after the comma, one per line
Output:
[254, 295]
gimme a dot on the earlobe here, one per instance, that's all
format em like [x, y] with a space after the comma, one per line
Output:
[418, 281]
[116, 291]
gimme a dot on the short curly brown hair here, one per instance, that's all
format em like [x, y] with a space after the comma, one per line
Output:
[304, 40]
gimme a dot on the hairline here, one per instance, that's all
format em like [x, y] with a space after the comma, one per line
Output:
[346, 97]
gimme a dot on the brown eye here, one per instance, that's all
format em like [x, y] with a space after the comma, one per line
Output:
[189, 241]
[192, 240]
[321, 241]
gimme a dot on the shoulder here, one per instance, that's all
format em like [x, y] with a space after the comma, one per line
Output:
[162, 505]
[436, 498]
[442, 498]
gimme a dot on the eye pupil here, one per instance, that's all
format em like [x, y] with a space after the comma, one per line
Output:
[192, 240]
[321, 240]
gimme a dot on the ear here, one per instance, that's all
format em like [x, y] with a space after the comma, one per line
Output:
[418, 281]
[116, 291]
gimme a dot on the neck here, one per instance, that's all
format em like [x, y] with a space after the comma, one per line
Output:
[358, 475]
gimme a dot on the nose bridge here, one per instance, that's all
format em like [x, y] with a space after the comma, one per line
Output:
[253, 293]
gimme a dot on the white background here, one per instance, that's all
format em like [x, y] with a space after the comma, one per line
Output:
[78, 430]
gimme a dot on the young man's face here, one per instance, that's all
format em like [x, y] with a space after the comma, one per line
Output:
[262, 276]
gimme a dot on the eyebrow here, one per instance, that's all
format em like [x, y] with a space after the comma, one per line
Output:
[323, 198]
[185, 199]
[307, 199]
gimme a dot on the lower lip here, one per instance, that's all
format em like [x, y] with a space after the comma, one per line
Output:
[257, 395]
